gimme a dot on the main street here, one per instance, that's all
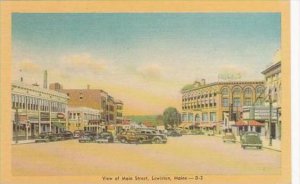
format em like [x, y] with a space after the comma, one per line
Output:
[190, 154]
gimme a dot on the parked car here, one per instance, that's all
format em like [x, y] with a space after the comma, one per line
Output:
[229, 137]
[251, 139]
[153, 136]
[105, 137]
[47, 137]
[210, 133]
[131, 137]
[88, 137]
[43, 137]
[173, 133]
[67, 135]
[78, 133]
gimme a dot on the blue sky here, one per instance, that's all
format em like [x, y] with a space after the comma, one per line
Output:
[154, 53]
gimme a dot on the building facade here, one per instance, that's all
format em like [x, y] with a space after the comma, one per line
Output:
[205, 105]
[83, 118]
[110, 109]
[36, 110]
[273, 94]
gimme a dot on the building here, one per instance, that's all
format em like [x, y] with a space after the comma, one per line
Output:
[36, 109]
[83, 118]
[273, 94]
[205, 106]
[110, 109]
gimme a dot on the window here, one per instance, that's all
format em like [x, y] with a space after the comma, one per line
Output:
[236, 102]
[204, 116]
[212, 116]
[225, 91]
[248, 102]
[236, 92]
[260, 90]
[225, 102]
[248, 91]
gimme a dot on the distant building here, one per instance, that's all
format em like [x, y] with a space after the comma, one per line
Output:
[39, 109]
[205, 106]
[83, 118]
[110, 109]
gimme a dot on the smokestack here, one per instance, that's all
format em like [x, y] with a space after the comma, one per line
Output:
[45, 79]
[88, 86]
[21, 79]
[203, 81]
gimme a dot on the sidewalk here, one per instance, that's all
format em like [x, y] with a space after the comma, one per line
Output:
[24, 141]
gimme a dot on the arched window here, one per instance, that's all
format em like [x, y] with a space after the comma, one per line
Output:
[248, 91]
[225, 91]
[236, 92]
[260, 90]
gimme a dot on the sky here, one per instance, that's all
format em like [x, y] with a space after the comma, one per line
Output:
[143, 59]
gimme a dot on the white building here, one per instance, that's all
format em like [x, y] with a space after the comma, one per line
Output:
[84, 118]
[39, 110]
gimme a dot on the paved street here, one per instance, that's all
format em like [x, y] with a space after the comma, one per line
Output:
[189, 154]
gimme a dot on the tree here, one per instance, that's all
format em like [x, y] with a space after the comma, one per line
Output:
[171, 117]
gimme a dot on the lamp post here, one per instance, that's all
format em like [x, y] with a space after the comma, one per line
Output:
[270, 120]
[17, 124]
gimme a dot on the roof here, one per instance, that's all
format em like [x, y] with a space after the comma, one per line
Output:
[248, 123]
[190, 87]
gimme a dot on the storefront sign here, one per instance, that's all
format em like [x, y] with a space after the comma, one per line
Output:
[60, 115]
[45, 116]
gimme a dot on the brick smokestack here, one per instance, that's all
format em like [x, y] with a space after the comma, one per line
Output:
[45, 79]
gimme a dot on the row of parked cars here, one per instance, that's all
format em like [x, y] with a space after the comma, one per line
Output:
[50, 136]
[247, 139]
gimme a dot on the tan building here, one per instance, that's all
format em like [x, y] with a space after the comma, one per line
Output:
[83, 118]
[39, 109]
[273, 93]
[204, 105]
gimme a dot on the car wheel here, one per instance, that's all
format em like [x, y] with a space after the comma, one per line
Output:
[123, 140]
[140, 141]
[156, 140]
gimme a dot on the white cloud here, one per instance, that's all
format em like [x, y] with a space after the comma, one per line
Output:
[151, 71]
[84, 63]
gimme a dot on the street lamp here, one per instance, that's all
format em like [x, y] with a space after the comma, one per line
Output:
[17, 124]
[270, 119]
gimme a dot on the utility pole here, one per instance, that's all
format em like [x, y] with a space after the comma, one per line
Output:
[17, 124]
[270, 120]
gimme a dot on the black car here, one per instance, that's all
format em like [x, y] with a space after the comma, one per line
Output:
[173, 133]
[105, 137]
[66, 135]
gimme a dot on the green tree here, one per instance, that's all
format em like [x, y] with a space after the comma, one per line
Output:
[171, 117]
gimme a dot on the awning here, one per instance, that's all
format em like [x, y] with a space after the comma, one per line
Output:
[248, 123]
[57, 124]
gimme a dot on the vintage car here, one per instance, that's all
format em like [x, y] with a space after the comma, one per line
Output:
[210, 133]
[78, 133]
[67, 135]
[47, 137]
[251, 139]
[105, 137]
[173, 133]
[229, 137]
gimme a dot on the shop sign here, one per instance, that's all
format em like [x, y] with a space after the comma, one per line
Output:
[60, 115]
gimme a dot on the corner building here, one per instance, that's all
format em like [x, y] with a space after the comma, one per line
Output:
[205, 105]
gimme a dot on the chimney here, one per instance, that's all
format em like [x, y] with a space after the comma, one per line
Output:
[45, 79]
[88, 86]
[21, 79]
